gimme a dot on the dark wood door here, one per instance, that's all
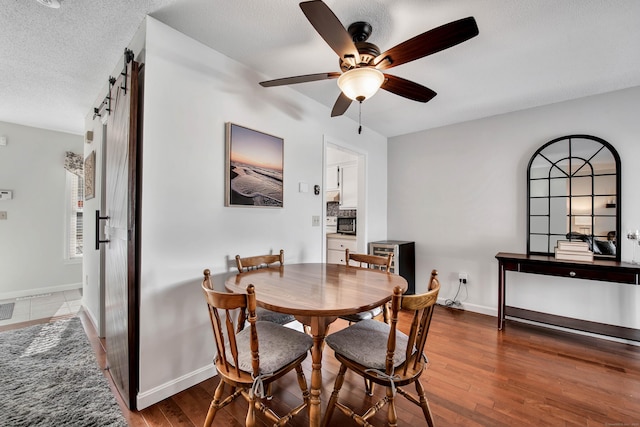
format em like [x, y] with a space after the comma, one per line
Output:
[121, 289]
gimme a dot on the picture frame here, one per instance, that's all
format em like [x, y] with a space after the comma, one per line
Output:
[254, 168]
[90, 176]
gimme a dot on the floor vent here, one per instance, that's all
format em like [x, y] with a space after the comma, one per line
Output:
[6, 311]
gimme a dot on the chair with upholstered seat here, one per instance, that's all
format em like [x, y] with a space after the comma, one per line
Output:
[369, 261]
[380, 353]
[249, 359]
[372, 261]
[253, 262]
[260, 261]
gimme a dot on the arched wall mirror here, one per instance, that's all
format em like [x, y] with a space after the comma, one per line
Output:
[573, 193]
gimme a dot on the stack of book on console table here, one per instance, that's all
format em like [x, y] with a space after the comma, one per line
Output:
[573, 251]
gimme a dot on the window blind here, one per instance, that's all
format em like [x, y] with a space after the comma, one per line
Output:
[75, 202]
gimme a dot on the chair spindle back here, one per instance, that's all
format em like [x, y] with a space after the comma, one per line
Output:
[226, 311]
[253, 262]
[371, 261]
[422, 306]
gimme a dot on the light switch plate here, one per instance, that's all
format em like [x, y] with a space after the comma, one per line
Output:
[3, 215]
[3, 140]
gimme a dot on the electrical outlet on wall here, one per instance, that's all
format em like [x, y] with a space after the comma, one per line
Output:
[463, 278]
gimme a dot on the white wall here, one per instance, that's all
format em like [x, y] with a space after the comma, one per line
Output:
[91, 269]
[32, 239]
[460, 192]
[190, 92]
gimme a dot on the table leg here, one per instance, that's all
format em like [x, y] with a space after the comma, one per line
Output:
[319, 327]
[501, 294]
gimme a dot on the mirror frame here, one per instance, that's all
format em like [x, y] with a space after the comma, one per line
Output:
[549, 234]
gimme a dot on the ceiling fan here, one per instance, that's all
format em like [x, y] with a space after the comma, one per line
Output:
[361, 61]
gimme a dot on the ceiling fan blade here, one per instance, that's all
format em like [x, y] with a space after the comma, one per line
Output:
[428, 43]
[407, 88]
[300, 79]
[341, 105]
[330, 29]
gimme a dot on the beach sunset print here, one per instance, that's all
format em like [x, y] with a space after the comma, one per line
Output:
[255, 168]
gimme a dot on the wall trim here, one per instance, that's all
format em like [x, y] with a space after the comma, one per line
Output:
[92, 319]
[168, 389]
[475, 308]
[37, 291]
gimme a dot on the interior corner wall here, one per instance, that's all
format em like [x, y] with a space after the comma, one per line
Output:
[463, 192]
[32, 238]
[91, 268]
[191, 91]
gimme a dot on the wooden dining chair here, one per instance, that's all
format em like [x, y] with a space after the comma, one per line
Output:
[250, 359]
[260, 261]
[361, 348]
[253, 262]
[369, 261]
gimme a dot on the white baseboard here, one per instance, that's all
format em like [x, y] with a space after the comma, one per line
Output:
[489, 311]
[92, 319]
[163, 391]
[37, 291]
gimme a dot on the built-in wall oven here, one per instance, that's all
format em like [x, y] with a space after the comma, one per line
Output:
[332, 225]
[346, 225]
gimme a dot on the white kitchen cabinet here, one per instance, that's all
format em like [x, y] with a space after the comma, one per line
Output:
[336, 245]
[349, 187]
[333, 178]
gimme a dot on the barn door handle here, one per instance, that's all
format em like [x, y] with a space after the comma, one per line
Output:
[98, 218]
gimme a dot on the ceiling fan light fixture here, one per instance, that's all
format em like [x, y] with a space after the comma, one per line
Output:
[360, 83]
[53, 4]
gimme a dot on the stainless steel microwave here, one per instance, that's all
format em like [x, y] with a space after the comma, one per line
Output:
[346, 225]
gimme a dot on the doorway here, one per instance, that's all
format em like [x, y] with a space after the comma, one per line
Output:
[345, 188]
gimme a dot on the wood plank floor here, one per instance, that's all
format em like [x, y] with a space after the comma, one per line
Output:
[523, 376]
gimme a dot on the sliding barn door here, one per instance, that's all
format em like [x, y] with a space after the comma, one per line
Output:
[121, 266]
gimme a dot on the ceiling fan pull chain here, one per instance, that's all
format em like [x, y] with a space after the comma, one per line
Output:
[359, 117]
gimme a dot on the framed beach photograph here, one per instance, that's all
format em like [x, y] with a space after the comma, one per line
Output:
[254, 168]
[90, 176]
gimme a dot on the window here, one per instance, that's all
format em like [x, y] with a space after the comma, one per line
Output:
[74, 220]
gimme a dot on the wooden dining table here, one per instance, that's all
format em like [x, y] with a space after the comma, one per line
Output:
[317, 294]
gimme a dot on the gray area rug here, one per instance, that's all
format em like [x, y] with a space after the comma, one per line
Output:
[49, 376]
[6, 310]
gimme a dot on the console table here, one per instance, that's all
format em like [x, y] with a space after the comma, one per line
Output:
[602, 270]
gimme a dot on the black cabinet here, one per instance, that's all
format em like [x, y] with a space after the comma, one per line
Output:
[404, 259]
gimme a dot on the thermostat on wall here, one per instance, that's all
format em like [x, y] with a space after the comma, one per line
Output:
[6, 195]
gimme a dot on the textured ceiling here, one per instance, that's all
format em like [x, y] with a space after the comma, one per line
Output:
[54, 62]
